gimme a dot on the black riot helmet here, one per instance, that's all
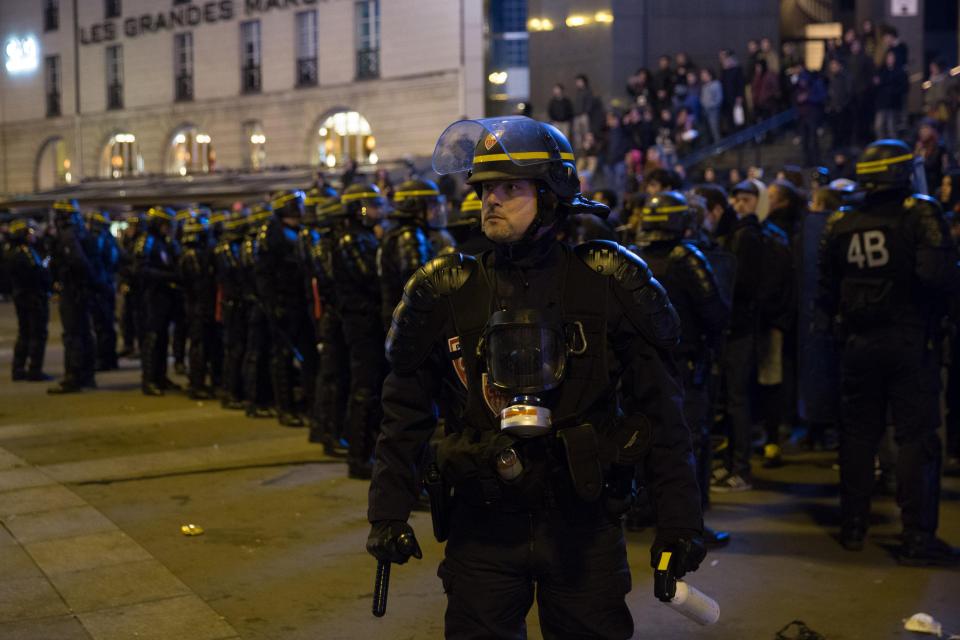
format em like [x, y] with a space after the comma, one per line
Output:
[259, 215]
[517, 148]
[288, 204]
[235, 227]
[67, 213]
[885, 164]
[471, 205]
[21, 229]
[97, 220]
[419, 199]
[158, 217]
[363, 201]
[328, 208]
[196, 232]
[664, 217]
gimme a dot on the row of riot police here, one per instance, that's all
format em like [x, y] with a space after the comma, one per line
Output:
[79, 263]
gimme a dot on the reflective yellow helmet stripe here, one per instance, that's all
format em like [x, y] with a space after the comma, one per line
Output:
[350, 197]
[671, 209]
[282, 200]
[873, 166]
[18, 225]
[649, 218]
[400, 195]
[471, 205]
[528, 155]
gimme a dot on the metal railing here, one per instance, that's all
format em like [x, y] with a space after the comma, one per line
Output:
[184, 87]
[115, 96]
[368, 63]
[306, 72]
[754, 133]
[53, 104]
[251, 78]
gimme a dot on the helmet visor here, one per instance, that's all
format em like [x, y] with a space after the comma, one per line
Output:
[516, 139]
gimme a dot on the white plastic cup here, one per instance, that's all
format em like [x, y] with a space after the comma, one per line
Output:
[695, 604]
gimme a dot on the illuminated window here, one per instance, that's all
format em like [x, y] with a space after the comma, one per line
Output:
[53, 165]
[343, 136]
[190, 151]
[121, 157]
[256, 142]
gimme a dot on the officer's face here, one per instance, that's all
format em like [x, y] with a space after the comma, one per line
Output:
[509, 206]
[744, 203]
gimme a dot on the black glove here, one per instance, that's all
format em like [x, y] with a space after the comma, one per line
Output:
[687, 548]
[393, 541]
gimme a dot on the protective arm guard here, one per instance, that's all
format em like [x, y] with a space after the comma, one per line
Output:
[412, 252]
[936, 266]
[644, 301]
[710, 306]
[422, 311]
[359, 259]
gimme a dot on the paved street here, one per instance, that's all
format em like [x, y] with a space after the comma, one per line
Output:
[95, 487]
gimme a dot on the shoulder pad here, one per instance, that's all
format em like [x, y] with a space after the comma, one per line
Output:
[922, 205]
[838, 215]
[420, 314]
[645, 301]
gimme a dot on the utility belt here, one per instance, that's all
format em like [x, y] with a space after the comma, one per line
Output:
[573, 468]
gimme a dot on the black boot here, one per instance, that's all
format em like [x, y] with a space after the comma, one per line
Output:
[18, 375]
[39, 376]
[853, 532]
[714, 539]
[150, 389]
[65, 386]
[288, 419]
[920, 549]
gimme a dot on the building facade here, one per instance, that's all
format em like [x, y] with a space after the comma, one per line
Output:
[122, 88]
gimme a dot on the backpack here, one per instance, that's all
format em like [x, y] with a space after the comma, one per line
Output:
[777, 296]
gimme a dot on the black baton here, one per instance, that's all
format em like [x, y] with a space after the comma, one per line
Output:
[381, 585]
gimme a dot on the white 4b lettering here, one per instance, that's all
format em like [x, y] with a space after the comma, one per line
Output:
[868, 249]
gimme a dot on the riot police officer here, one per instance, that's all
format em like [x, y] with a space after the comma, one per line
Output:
[179, 340]
[358, 302]
[688, 277]
[103, 304]
[318, 243]
[541, 463]
[30, 283]
[131, 321]
[886, 263]
[234, 308]
[280, 289]
[156, 262]
[75, 277]
[258, 390]
[198, 277]
[419, 212]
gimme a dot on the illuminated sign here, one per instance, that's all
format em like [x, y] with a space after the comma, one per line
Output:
[21, 54]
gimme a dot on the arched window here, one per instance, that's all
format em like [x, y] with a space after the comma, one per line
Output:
[342, 136]
[54, 167]
[121, 157]
[190, 151]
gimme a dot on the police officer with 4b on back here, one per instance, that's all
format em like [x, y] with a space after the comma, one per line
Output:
[561, 359]
[886, 265]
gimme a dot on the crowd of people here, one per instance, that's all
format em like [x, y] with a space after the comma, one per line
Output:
[857, 95]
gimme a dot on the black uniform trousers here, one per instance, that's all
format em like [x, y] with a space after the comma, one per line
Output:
[364, 339]
[333, 377]
[179, 320]
[158, 312]
[496, 562]
[696, 413]
[205, 355]
[103, 312]
[256, 360]
[235, 313]
[291, 327]
[891, 367]
[953, 400]
[130, 329]
[33, 313]
[78, 344]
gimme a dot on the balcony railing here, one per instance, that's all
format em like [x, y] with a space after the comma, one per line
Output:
[53, 104]
[251, 78]
[368, 64]
[184, 87]
[306, 72]
[115, 96]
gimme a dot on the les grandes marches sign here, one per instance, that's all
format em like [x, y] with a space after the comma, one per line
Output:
[183, 16]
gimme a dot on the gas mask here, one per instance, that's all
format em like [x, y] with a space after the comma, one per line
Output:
[526, 356]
